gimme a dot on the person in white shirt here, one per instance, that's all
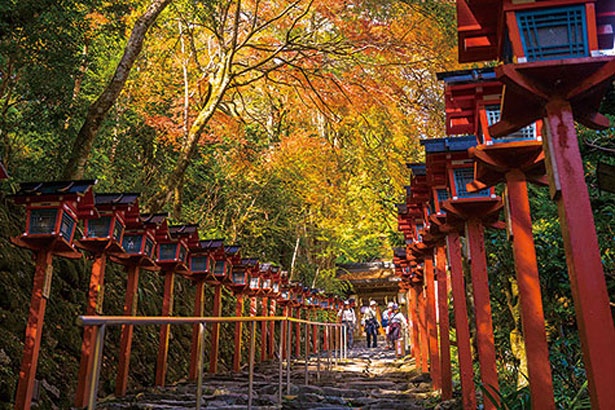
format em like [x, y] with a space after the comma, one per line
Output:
[397, 322]
[349, 320]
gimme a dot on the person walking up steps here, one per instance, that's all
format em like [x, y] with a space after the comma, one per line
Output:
[397, 322]
[386, 323]
[349, 320]
[370, 324]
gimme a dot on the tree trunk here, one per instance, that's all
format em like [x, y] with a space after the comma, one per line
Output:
[175, 178]
[82, 148]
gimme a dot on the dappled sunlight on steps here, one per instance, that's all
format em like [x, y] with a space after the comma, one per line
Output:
[370, 379]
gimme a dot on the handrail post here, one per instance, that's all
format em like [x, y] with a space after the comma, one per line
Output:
[98, 349]
[317, 346]
[199, 383]
[288, 336]
[251, 364]
[307, 348]
[281, 358]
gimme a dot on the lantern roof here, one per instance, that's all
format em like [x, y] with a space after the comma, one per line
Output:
[474, 75]
[212, 244]
[158, 223]
[54, 188]
[399, 253]
[79, 191]
[128, 203]
[232, 250]
[188, 232]
[418, 169]
[251, 262]
[113, 200]
[448, 144]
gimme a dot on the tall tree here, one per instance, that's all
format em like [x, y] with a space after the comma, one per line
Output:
[82, 148]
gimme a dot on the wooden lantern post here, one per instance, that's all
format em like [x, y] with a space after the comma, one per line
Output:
[514, 159]
[274, 293]
[437, 158]
[561, 78]
[265, 290]
[52, 212]
[475, 210]
[239, 284]
[201, 267]
[297, 301]
[284, 301]
[139, 244]
[173, 254]
[103, 235]
[418, 199]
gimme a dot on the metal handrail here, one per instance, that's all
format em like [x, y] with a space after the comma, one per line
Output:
[101, 322]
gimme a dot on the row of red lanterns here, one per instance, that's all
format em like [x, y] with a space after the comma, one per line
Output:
[113, 227]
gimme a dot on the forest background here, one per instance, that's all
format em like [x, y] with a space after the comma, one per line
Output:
[284, 126]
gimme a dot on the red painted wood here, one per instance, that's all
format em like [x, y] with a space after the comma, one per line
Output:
[238, 330]
[445, 343]
[199, 311]
[34, 330]
[215, 330]
[298, 334]
[423, 336]
[288, 312]
[130, 309]
[84, 379]
[264, 329]
[464, 351]
[314, 332]
[432, 329]
[532, 315]
[413, 302]
[484, 322]
[271, 347]
[165, 330]
[589, 292]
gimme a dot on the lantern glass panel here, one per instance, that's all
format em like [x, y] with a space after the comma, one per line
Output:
[220, 268]
[68, 226]
[118, 230]
[42, 221]
[254, 283]
[167, 251]
[276, 287]
[199, 264]
[526, 133]
[239, 278]
[99, 228]
[553, 33]
[442, 195]
[284, 295]
[267, 284]
[132, 243]
[462, 176]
